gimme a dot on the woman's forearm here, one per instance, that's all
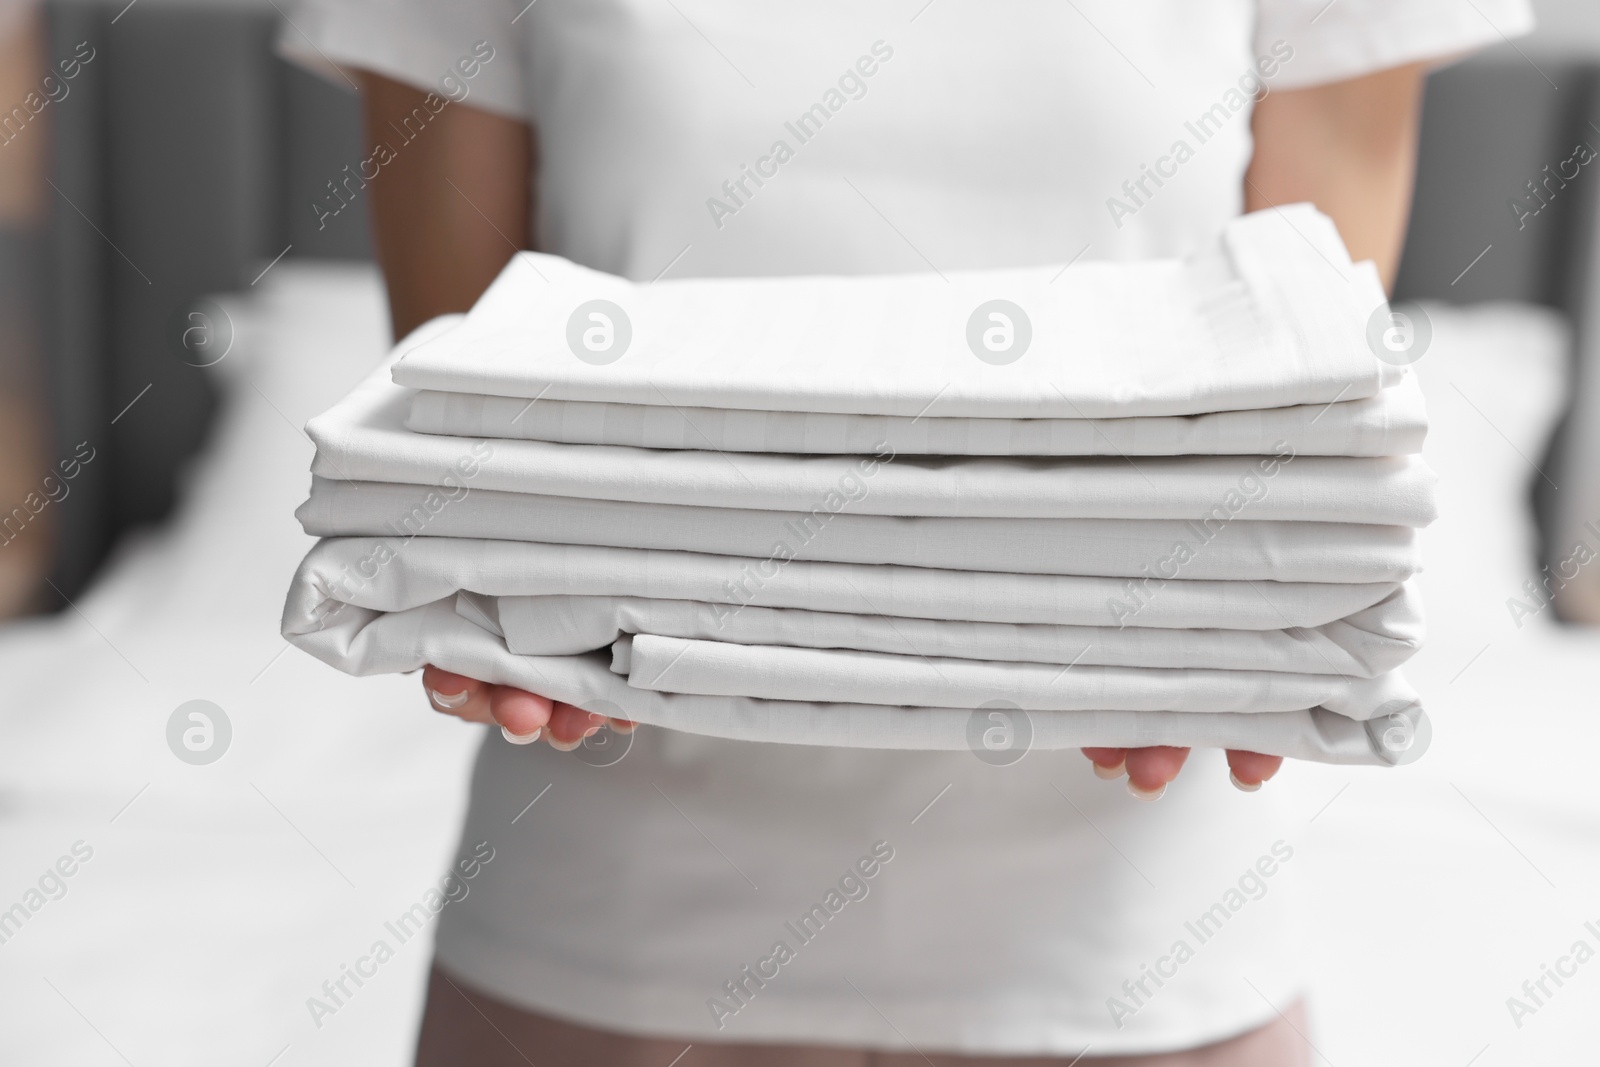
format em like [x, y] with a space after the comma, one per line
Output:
[1349, 148]
[450, 203]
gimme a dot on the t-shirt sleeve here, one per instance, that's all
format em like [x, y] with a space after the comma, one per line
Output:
[469, 51]
[1333, 40]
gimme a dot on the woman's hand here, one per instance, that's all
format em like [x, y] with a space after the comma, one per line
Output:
[1150, 769]
[523, 717]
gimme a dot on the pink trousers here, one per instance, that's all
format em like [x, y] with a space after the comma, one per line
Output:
[463, 1025]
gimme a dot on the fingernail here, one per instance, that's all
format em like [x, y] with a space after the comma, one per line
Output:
[591, 731]
[1242, 786]
[1111, 773]
[520, 739]
[620, 727]
[1148, 795]
[564, 746]
[454, 700]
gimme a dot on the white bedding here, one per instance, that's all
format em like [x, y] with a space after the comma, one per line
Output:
[363, 438]
[1271, 541]
[1360, 645]
[916, 681]
[1116, 548]
[1252, 322]
[380, 574]
[1393, 423]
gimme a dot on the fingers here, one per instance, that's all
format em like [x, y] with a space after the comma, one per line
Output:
[1150, 769]
[522, 715]
[570, 725]
[1109, 763]
[452, 694]
[1248, 770]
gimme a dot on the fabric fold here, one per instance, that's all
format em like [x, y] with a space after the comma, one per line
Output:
[841, 676]
[1356, 646]
[363, 438]
[386, 574]
[1273, 314]
[364, 642]
[1392, 423]
[1117, 548]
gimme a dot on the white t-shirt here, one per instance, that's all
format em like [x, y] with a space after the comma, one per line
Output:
[1032, 908]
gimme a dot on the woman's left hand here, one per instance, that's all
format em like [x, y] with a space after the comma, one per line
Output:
[1150, 769]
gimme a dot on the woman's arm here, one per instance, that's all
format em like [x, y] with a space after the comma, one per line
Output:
[451, 206]
[448, 210]
[1350, 148]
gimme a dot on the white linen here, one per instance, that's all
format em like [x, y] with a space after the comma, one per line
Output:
[1392, 423]
[363, 438]
[384, 575]
[360, 641]
[368, 605]
[841, 676]
[1272, 314]
[1127, 548]
[1361, 645]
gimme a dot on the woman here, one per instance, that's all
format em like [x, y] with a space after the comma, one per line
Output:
[1026, 911]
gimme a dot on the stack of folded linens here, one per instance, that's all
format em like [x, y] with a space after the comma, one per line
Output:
[1158, 502]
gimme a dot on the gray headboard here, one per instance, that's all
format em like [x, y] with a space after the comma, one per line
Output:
[186, 157]
[1494, 219]
[197, 153]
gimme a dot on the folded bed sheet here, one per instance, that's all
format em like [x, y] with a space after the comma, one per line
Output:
[1125, 548]
[720, 668]
[363, 438]
[387, 574]
[1272, 315]
[1362, 645]
[1392, 423]
[1176, 503]
[363, 641]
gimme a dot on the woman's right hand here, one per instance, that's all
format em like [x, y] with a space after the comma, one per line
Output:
[523, 717]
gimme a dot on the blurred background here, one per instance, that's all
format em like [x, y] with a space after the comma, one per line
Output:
[185, 278]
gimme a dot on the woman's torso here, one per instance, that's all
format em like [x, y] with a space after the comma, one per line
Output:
[1022, 899]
